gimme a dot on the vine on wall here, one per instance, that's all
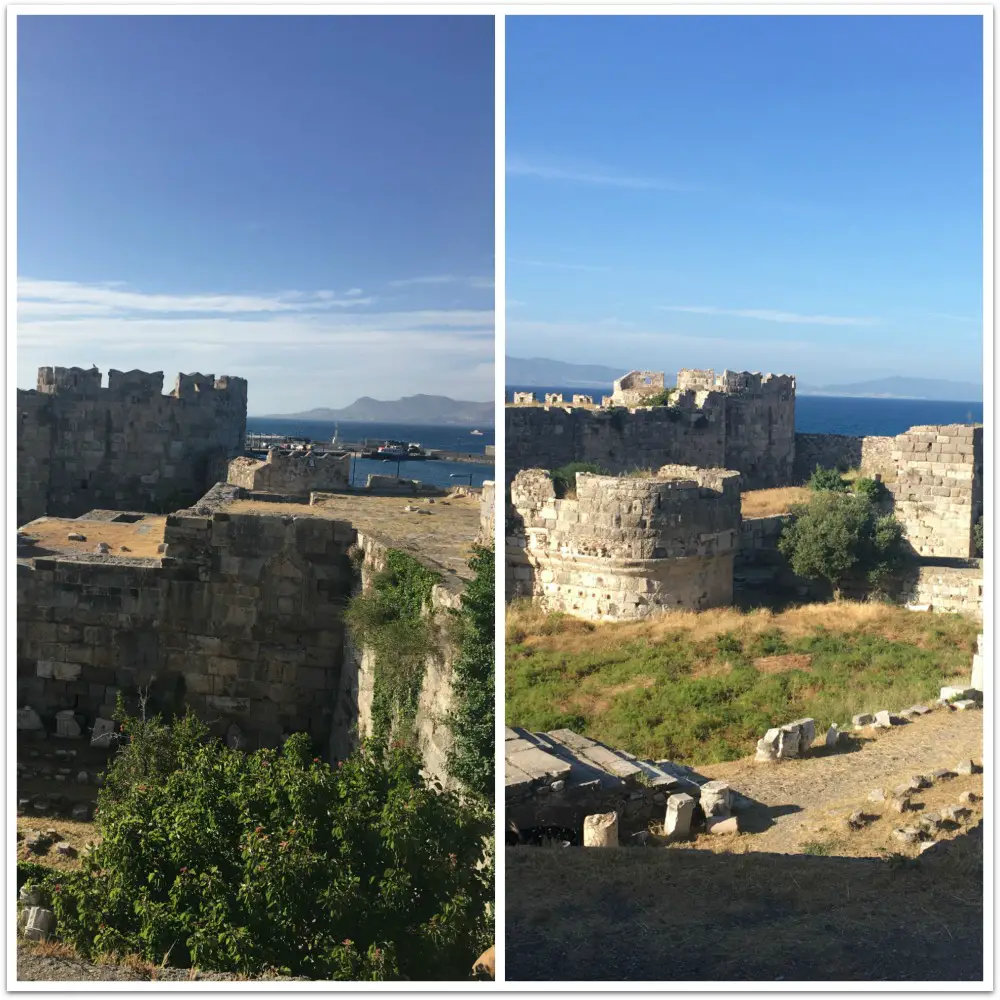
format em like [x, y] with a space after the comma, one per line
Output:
[471, 756]
[394, 620]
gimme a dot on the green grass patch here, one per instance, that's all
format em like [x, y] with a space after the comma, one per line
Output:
[672, 694]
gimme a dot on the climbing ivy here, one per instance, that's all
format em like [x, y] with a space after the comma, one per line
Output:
[393, 619]
[472, 721]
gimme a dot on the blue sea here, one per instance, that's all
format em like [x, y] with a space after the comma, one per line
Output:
[838, 414]
[436, 473]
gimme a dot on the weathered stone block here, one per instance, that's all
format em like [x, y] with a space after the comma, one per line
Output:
[680, 812]
[601, 830]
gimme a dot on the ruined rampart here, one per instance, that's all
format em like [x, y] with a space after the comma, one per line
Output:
[937, 490]
[691, 432]
[291, 473]
[737, 420]
[125, 446]
[241, 618]
[625, 547]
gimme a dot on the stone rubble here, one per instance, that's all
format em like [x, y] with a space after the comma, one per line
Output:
[601, 830]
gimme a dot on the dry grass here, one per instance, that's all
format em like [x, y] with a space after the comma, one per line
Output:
[768, 503]
[783, 663]
[528, 624]
[141, 538]
[74, 833]
[47, 949]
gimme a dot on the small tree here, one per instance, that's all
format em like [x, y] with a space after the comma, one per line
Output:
[661, 398]
[827, 480]
[977, 539]
[840, 537]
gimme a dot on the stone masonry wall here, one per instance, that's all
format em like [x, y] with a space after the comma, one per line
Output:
[625, 547]
[843, 451]
[242, 620]
[291, 473]
[937, 492]
[738, 420]
[487, 513]
[946, 588]
[126, 446]
[618, 440]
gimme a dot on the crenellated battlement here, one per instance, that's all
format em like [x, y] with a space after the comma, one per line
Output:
[737, 420]
[124, 446]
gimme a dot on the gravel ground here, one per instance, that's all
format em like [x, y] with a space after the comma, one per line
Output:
[795, 792]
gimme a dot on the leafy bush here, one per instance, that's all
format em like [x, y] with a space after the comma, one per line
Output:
[472, 753]
[827, 480]
[977, 539]
[275, 861]
[871, 489]
[391, 618]
[564, 478]
[661, 398]
[841, 538]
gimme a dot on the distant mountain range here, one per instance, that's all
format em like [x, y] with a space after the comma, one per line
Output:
[901, 387]
[437, 411]
[545, 371]
[529, 372]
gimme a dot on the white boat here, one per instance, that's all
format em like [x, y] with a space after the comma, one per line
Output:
[477, 433]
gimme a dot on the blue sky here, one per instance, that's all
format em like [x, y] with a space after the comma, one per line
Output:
[306, 202]
[785, 194]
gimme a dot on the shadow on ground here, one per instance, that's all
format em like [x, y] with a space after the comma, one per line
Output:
[671, 915]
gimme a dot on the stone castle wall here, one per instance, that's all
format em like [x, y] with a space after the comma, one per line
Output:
[487, 513]
[946, 588]
[625, 547]
[692, 432]
[842, 451]
[241, 619]
[937, 491]
[125, 446]
[737, 420]
[291, 473]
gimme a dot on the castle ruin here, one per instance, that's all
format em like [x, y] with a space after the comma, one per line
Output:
[594, 556]
[233, 603]
[742, 421]
[296, 473]
[625, 547]
[124, 446]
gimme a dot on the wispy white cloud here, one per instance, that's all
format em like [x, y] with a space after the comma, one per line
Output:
[777, 316]
[37, 298]
[557, 264]
[443, 279]
[518, 166]
[296, 350]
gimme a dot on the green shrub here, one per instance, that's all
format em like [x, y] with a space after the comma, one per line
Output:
[977, 539]
[661, 398]
[871, 489]
[274, 860]
[392, 619]
[564, 478]
[827, 480]
[841, 538]
[472, 754]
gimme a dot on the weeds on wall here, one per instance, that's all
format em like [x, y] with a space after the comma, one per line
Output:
[393, 619]
[977, 539]
[661, 398]
[275, 861]
[472, 754]
[564, 478]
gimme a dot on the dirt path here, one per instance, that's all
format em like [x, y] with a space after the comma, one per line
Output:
[799, 796]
